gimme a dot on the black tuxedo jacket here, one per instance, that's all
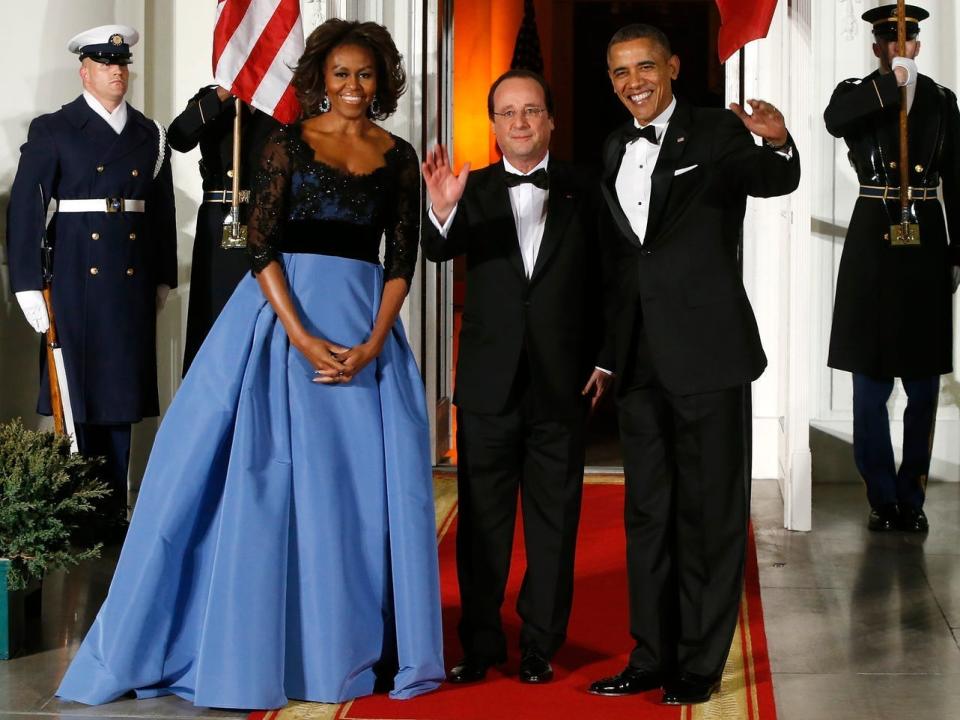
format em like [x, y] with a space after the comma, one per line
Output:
[683, 283]
[553, 319]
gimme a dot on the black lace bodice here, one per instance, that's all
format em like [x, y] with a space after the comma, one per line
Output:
[301, 205]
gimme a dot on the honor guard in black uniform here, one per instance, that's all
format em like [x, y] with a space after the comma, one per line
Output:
[893, 311]
[114, 255]
[208, 121]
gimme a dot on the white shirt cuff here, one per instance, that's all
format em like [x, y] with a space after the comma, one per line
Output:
[445, 227]
[604, 370]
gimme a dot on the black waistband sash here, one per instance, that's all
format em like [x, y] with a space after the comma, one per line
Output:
[331, 237]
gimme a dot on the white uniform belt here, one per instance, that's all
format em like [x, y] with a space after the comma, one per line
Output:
[107, 205]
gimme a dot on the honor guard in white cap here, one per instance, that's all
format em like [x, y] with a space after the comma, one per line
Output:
[107, 44]
[108, 254]
[893, 311]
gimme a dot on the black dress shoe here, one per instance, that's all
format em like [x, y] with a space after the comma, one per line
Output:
[913, 520]
[884, 518]
[689, 689]
[469, 670]
[629, 682]
[534, 668]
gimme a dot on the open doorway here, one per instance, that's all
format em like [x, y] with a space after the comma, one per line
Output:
[587, 115]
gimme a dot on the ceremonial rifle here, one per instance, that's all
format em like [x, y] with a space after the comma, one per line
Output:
[56, 370]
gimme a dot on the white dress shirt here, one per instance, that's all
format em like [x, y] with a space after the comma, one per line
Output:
[529, 204]
[116, 119]
[634, 180]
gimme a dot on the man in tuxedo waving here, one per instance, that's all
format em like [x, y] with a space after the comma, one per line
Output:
[676, 179]
[526, 372]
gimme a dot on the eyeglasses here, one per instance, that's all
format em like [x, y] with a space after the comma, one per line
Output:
[529, 113]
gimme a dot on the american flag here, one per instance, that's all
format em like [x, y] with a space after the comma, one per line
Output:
[526, 50]
[256, 43]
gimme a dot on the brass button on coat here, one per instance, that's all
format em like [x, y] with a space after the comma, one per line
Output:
[130, 272]
[134, 172]
[229, 173]
[918, 168]
[100, 168]
[133, 236]
[94, 270]
[95, 236]
[893, 165]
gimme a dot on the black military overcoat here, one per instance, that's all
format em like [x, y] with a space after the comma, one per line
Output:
[893, 308]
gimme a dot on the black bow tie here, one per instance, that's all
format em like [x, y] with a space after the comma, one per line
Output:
[634, 133]
[538, 178]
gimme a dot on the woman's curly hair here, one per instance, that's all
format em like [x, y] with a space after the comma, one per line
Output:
[308, 75]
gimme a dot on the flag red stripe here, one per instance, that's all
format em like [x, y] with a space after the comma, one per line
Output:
[266, 48]
[230, 18]
[288, 109]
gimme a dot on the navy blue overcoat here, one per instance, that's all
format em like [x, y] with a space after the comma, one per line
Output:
[106, 266]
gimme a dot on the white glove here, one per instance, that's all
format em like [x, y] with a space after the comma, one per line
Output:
[162, 292]
[955, 277]
[907, 64]
[34, 309]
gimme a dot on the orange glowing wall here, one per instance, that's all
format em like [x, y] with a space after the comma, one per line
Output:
[484, 32]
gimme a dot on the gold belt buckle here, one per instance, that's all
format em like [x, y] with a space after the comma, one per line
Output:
[898, 238]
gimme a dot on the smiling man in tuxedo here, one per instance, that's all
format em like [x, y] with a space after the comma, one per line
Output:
[676, 179]
[526, 373]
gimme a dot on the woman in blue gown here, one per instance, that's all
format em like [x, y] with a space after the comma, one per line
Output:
[283, 543]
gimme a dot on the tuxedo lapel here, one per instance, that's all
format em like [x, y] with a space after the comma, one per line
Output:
[562, 202]
[672, 145]
[494, 201]
[614, 157]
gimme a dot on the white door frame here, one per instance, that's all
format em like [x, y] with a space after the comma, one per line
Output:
[777, 263]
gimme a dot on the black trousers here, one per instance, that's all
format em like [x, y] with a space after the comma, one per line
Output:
[113, 443]
[873, 449]
[525, 451]
[687, 472]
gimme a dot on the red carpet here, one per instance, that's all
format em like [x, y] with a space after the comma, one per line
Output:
[597, 644]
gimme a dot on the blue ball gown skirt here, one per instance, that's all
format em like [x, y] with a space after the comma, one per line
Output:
[284, 542]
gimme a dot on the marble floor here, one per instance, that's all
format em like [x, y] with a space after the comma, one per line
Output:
[859, 625]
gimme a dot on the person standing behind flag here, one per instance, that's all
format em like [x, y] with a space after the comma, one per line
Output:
[893, 313]
[256, 43]
[207, 121]
[114, 242]
[284, 542]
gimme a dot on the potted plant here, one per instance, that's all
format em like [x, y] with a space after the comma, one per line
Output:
[45, 493]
